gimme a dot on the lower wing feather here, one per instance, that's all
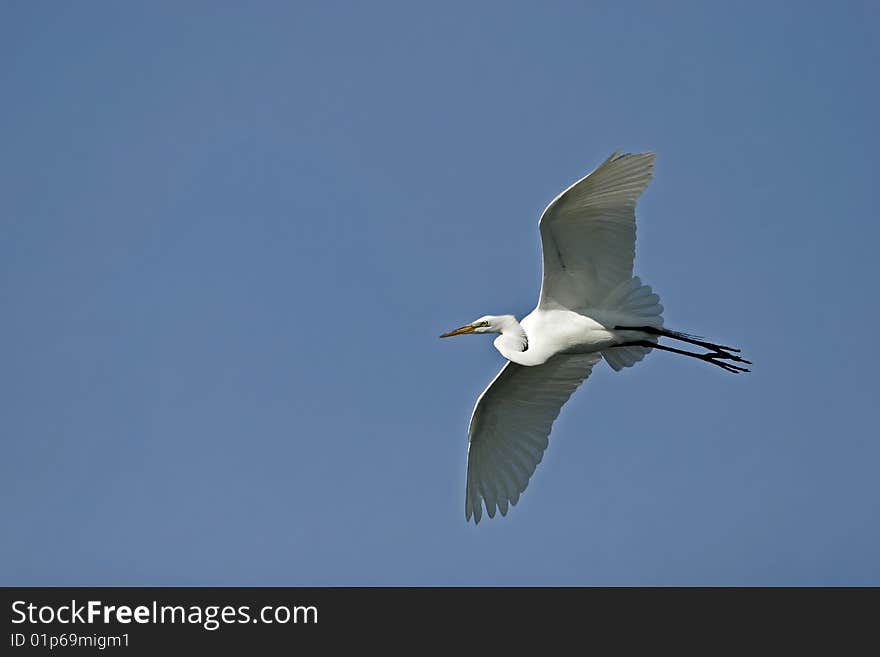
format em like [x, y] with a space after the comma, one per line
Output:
[510, 427]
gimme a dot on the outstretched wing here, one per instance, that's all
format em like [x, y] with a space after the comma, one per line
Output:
[510, 427]
[588, 233]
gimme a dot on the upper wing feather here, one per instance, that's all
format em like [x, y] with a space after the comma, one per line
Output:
[510, 427]
[588, 233]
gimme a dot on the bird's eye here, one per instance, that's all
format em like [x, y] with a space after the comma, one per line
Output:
[484, 324]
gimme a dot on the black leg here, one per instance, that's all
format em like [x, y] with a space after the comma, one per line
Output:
[721, 351]
[713, 357]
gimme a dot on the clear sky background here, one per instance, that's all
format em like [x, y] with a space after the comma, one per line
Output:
[230, 236]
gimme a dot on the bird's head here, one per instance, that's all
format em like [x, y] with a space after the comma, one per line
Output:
[486, 324]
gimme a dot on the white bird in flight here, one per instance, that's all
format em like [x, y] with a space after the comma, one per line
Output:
[591, 307]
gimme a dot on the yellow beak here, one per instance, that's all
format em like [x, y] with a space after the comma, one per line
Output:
[459, 331]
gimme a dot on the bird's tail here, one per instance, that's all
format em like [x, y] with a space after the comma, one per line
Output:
[633, 304]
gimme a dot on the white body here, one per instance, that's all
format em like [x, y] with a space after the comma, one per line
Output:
[552, 332]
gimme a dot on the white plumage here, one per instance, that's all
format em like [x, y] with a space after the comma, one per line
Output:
[590, 307]
[510, 426]
[588, 233]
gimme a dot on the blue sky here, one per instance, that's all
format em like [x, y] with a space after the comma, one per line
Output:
[232, 233]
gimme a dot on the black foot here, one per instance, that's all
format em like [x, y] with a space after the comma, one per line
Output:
[726, 356]
[716, 359]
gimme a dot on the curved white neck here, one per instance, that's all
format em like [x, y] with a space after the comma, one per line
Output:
[513, 343]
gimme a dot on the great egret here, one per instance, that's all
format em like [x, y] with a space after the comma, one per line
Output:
[591, 307]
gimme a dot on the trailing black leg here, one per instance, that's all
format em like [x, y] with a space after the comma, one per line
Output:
[721, 350]
[714, 357]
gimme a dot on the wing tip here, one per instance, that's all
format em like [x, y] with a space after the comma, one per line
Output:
[474, 509]
[474, 512]
[617, 155]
